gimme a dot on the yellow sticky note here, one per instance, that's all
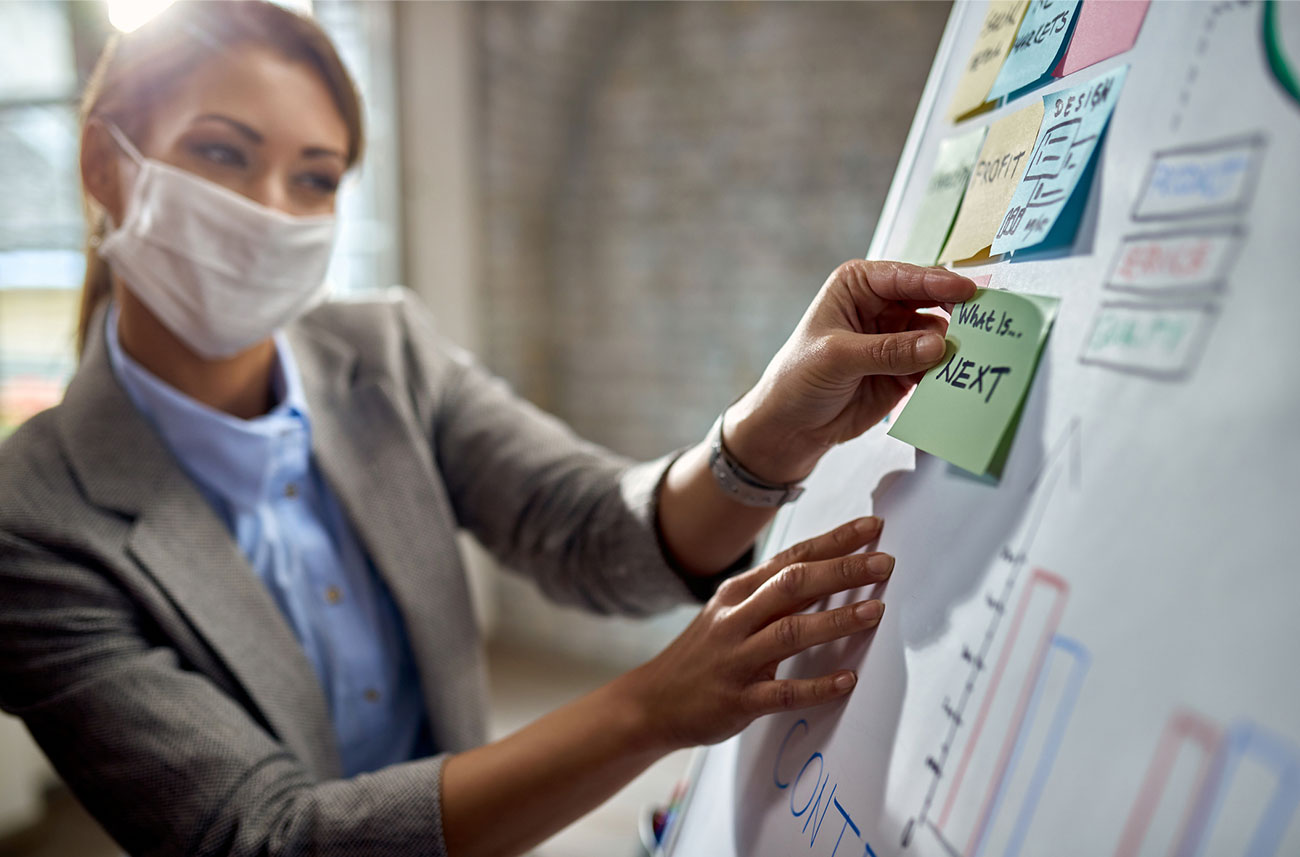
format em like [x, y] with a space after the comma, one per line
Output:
[1001, 163]
[986, 58]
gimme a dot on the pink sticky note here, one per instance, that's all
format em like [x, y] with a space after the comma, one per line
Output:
[1103, 29]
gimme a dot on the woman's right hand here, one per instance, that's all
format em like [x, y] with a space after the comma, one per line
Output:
[720, 673]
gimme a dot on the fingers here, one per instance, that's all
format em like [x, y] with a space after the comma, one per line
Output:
[797, 586]
[790, 635]
[905, 353]
[844, 539]
[928, 322]
[770, 697]
[870, 282]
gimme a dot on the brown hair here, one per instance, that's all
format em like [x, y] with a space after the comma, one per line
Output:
[140, 69]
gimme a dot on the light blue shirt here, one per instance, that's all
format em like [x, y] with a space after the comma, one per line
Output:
[260, 477]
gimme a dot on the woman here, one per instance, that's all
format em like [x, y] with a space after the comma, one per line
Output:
[233, 614]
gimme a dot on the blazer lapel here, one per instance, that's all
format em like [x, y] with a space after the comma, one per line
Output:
[383, 472]
[181, 543]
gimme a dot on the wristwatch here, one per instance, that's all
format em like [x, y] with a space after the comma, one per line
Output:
[741, 485]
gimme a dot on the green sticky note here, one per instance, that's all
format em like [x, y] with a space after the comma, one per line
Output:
[966, 409]
[943, 194]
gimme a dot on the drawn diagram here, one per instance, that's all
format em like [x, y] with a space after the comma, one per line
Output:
[1157, 339]
[1055, 156]
[1244, 765]
[972, 821]
[1025, 708]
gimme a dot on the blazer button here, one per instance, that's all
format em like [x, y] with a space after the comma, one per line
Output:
[372, 695]
[334, 595]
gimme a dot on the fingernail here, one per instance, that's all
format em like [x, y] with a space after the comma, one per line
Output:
[881, 564]
[845, 681]
[929, 347]
[868, 611]
[868, 525]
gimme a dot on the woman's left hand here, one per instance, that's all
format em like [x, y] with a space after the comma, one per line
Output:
[721, 672]
[858, 349]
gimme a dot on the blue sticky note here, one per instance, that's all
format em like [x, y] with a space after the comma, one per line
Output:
[1047, 204]
[1038, 46]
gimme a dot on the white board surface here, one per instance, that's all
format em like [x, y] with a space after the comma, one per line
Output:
[1097, 656]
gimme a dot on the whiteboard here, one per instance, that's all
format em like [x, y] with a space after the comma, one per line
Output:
[1097, 655]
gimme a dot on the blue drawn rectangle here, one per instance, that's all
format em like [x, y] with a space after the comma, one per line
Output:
[1212, 178]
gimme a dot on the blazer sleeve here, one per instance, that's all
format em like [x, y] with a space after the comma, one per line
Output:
[577, 518]
[163, 758]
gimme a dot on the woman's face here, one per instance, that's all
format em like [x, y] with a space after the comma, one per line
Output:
[258, 124]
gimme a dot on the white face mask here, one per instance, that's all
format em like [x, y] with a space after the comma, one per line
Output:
[221, 271]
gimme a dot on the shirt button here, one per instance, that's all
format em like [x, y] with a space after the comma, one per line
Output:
[334, 595]
[372, 695]
[291, 490]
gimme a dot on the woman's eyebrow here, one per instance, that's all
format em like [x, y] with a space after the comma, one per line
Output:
[254, 137]
[243, 129]
[322, 152]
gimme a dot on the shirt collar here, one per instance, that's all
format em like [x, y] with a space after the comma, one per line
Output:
[232, 459]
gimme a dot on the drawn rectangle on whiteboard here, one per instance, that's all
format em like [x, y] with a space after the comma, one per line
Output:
[1179, 775]
[1053, 700]
[1215, 178]
[986, 758]
[1148, 339]
[1192, 261]
[1255, 797]
[1171, 812]
[1239, 809]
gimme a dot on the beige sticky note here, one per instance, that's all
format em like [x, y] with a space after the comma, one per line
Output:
[986, 58]
[1001, 163]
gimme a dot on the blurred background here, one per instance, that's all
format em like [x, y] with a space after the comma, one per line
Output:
[623, 208]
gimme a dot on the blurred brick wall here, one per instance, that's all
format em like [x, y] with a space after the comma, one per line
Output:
[666, 185]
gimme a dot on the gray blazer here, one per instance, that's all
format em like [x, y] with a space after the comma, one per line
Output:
[156, 671]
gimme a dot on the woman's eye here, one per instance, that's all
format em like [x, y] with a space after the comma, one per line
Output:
[221, 153]
[319, 182]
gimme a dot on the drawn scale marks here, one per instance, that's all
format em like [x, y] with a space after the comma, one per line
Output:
[985, 767]
[991, 797]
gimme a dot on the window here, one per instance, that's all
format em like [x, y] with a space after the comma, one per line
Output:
[41, 230]
[369, 252]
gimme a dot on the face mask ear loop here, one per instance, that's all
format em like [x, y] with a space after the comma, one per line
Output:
[124, 143]
[128, 148]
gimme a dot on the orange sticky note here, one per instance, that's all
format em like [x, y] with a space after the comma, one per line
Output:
[998, 169]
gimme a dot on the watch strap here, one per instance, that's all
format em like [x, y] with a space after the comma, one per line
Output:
[742, 485]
